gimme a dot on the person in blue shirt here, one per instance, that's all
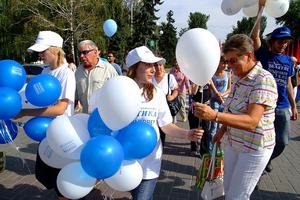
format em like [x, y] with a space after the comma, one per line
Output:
[111, 59]
[280, 65]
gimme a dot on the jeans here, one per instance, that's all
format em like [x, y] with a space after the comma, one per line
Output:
[242, 171]
[298, 94]
[214, 126]
[282, 129]
[145, 190]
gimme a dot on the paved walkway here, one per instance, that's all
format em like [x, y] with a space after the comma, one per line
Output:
[176, 181]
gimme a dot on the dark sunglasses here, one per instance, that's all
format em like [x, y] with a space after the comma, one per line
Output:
[85, 52]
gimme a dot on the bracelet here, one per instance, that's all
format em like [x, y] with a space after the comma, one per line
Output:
[217, 117]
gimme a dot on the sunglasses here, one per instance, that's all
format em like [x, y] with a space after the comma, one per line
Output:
[85, 52]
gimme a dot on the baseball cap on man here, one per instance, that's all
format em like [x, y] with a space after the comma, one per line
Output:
[281, 32]
[141, 54]
[46, 39]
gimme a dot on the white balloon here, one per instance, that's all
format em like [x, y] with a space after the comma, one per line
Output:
[67, 136]
[247, 3]
[127, 178]
[83, 117]
[51, 158]
[251, 11]
[73, 182]
[231, 7]
[198, 55]
[277, 8]
[119, 102]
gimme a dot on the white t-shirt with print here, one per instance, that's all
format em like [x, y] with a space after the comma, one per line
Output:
[155, 112]
[66, 78]
[163, 84]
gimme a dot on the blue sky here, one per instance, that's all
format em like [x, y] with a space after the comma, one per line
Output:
[219, 23]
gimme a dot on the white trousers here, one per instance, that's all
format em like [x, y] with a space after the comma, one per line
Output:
[242, 171]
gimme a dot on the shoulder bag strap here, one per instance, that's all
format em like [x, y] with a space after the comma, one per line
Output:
[211, 168]
[168, 84]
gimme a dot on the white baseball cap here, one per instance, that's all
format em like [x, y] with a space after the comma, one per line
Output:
[46, 39]
[141, 54]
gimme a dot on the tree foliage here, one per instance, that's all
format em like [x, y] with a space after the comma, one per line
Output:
[245, 26]
[144, 24]
[168, 40]
[198, 20]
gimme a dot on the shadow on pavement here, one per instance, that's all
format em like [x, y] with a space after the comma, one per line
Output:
[17, 165]
[30, 148]
[26, 191]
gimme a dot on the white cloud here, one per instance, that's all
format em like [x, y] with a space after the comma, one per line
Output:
[219, 23]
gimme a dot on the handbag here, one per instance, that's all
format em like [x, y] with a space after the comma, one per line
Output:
[204, 167]
[213, 187]
[175, 104]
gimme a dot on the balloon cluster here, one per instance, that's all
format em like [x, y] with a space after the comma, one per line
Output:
[42, 90]
[104, 145]
[274, 8]
[12, 79]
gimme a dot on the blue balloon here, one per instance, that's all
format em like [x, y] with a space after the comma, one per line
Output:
[138, 140]
[12, 74]
[96, 125]
[43, 90]
[110, 27]
[101, 157]
[8, 131]
[36, 127]
[10, 103]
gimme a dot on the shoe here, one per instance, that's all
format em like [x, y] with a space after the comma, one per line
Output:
[269, 167]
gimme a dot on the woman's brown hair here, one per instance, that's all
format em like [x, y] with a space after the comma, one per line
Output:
[148, 88]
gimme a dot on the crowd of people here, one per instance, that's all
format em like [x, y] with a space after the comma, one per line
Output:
[247, 105]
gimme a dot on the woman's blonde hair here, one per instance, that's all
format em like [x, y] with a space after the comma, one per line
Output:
[59, 53]
[148, 88]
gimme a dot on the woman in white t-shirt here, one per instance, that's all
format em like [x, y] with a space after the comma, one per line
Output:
[49, 46]
[168, 84]
[140, 62]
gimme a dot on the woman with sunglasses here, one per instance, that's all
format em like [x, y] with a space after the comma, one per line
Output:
[247, 120]
[49, 46]
[140, 62]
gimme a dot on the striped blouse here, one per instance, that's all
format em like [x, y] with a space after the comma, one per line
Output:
[257, 87]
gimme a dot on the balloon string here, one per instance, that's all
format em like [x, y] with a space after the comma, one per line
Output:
[11, 143]
[257, 19]
[200, 120]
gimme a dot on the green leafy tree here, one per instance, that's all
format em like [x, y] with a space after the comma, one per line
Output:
[12, 26]
[245, 26]
[198, 20]
[21, 20]
[292, 18]
[168, 40]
